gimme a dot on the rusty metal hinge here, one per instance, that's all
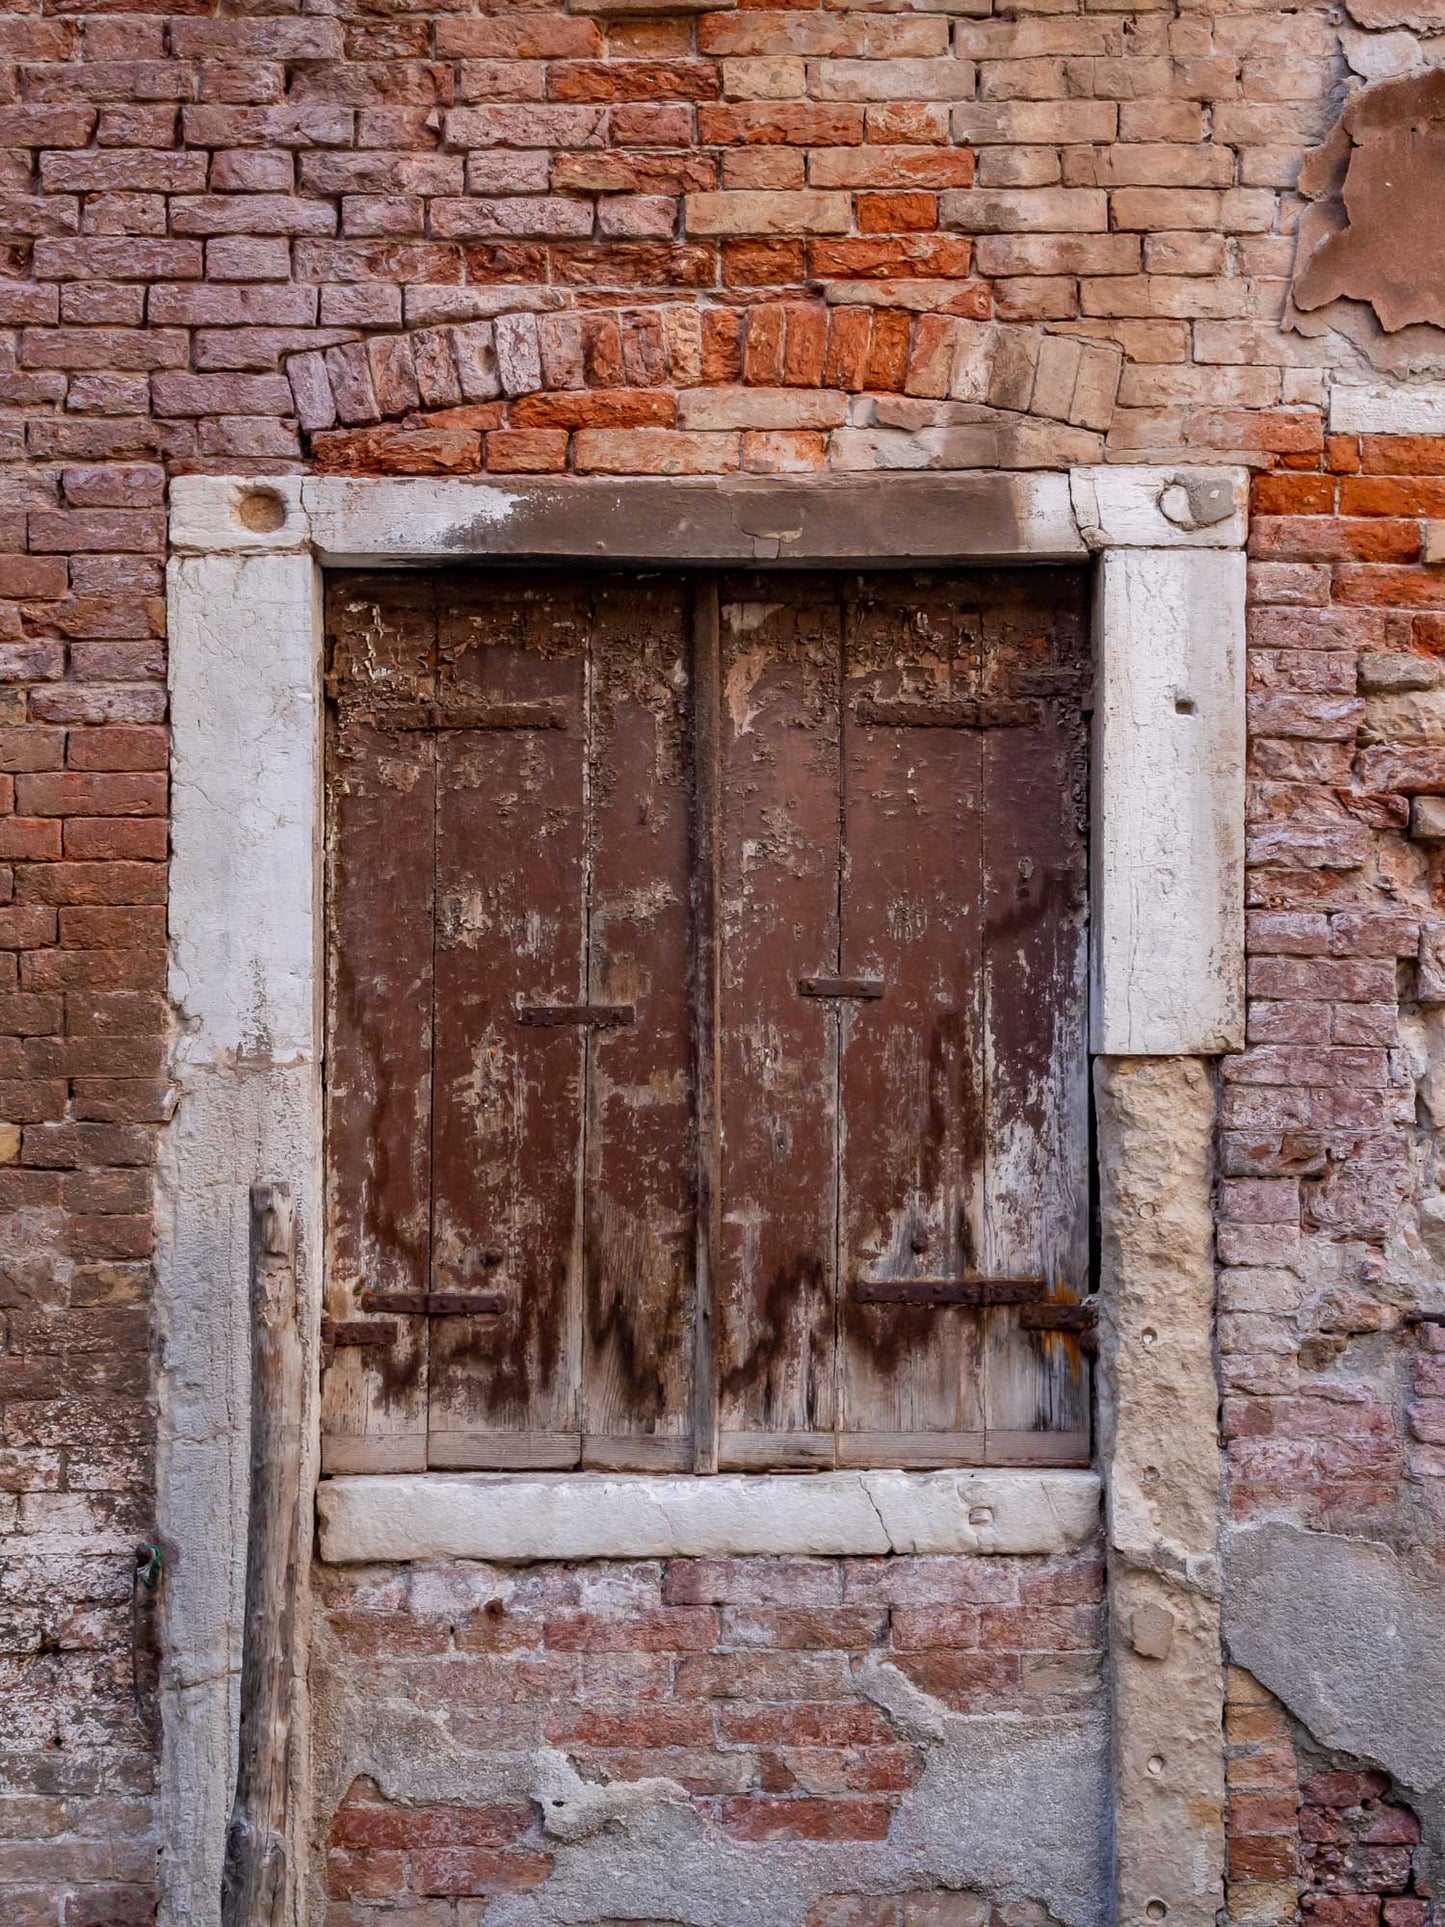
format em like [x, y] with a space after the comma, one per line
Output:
[339, 1333]
[435, 1304]
[949, 1291]
[590, 1016]
[855, 989]
[966, 712]
[1082, 1320]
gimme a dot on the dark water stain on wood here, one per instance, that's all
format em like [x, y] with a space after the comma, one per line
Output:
[898, 925]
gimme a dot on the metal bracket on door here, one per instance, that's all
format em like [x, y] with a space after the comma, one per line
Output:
[1037, 1312]
[853, 989]
[949, 1291]
[589, 1016]
[435, 1304]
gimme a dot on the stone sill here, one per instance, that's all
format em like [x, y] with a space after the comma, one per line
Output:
[518, 1518]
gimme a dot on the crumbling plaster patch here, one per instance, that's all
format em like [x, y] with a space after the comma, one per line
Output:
[1350, 1636]
[1367, 266]
[1017, 1807]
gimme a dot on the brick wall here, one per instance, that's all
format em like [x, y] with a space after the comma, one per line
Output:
[738, 1680]
[770, 239]
[1332, 1379]
[1315, 1838]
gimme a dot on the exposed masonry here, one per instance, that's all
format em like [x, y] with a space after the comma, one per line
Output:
[1314, 1828]
[565, 1740]
[249, 976]
[890, 389]
[188, 201]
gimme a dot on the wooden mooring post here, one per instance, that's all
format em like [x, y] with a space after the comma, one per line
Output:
[253, 1881]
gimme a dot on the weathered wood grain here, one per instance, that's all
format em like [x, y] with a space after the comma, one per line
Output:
[510, 931]
[911, 1074]
[756, 1124]
[781, 642]
[638, 1190]
[381, 633]
[253, 1881]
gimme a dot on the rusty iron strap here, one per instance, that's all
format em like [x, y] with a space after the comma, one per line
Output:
[855, 989]
[435, 1304]
[967, 712]
[1060, 1318]
[343, 1333]
[949, 1291]
[590, 1016]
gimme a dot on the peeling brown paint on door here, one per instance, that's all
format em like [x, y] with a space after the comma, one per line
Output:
[896, 911]
[381, 634]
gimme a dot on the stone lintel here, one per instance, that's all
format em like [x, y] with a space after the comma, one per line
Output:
[972, 516]
[519, 1517]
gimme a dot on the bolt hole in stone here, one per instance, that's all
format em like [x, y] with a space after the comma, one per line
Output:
[1156, 1764]
[981, 1515]
[1148, 1338]
[262, 511]
[1185, 706]
[1151, 1475]
[1156, 1910]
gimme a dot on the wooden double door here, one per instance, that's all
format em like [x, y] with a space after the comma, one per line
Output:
[707, 1077]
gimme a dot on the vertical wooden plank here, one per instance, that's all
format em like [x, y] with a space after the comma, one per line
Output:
[381, 638]
[780, 646]
[508, 1101]
[706, 930]
[255, 1889]
[1036, 1213]
[911, 1076]
[639, 1190]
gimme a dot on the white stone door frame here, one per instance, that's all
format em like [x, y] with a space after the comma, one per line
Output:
[245, 580]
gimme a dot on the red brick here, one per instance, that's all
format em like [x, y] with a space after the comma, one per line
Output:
[368, 1828]
[457, 1871]
[76, 794]
[1298, 495]
[1403, 454]
[851, 1629]
[773, 1819]
[897, 213]
[595, 408]
[677, 1629]
[527, 451]
[803, 1724]
[1263, 1858]
[92, 837]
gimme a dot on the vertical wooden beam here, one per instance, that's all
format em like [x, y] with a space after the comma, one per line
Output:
[253, 1882]
[707, 833]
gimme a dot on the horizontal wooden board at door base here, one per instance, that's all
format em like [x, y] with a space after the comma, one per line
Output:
[768, 890]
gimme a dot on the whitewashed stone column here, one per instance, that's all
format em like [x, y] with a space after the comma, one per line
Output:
[245, 989]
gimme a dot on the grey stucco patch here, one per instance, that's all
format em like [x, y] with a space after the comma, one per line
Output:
[1017, 1808]
[1352, 1640]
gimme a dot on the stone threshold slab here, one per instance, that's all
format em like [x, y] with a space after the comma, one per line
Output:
[518, 1518]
